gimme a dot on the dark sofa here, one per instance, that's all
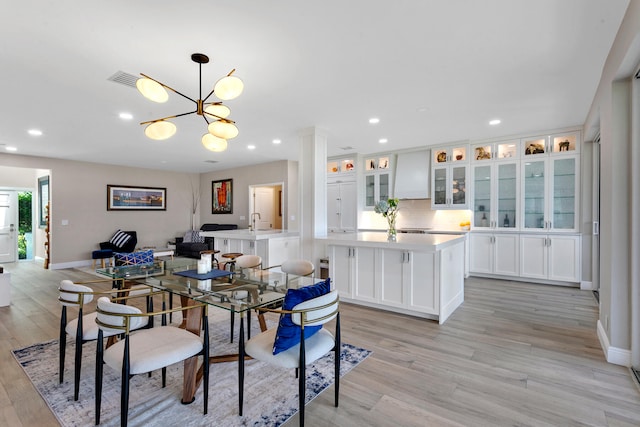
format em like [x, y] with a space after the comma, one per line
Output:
[193, 249]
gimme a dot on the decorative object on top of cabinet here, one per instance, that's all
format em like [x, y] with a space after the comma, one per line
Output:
[564, 143]
[341, 166]
[383, 163]
[502, 150]
[450, 154]
[534, 146]
[482, 153]
[370, 164]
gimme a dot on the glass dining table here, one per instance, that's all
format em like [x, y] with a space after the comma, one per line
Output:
[238, 292]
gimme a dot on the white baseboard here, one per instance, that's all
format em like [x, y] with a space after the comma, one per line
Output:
[73, 264]
[616, 356]
[586, 286]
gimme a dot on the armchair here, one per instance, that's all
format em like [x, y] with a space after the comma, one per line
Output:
[120, 243]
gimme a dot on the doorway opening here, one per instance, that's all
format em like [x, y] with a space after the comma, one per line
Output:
[25, 225]
[266, 206]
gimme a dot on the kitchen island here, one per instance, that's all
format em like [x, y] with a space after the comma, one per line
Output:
[417, 274]
[273, 246]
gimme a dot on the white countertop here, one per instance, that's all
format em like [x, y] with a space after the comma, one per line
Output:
[247, 234]
[420, 242]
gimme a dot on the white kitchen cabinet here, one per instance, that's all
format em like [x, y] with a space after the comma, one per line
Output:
[495, 195]
[495, 151]
[550, 257]
[408, 280]
[449, 187]
[378, 178]
[342, 204]
[494, 253]
[550, 189]
[272, 251]
[351, 272]
[449, 173]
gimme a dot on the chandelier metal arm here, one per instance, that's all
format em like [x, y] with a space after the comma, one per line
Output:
[169, 117]
[170, 88]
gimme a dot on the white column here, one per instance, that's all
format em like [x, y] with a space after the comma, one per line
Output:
[312, 189]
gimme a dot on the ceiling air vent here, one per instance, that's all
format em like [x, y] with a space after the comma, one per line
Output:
[348, 147]
[211, 161]
[124, 78]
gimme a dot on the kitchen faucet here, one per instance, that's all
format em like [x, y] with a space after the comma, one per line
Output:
[252, 224]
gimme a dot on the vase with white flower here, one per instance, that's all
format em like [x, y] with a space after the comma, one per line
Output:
[389, 209]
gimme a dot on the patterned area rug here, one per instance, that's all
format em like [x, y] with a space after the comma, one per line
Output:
[270, 393]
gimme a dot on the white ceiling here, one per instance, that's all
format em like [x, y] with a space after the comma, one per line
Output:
[433, 71]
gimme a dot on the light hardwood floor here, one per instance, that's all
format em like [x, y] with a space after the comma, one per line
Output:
[514, 354]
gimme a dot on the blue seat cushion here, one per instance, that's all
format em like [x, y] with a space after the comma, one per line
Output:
[288, 333]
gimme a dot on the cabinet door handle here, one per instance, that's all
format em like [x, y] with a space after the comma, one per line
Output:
[408, 257]
[402, 261]
[596, 228]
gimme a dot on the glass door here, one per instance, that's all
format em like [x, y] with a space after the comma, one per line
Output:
[439, 187]
[482, 187]
[459, 186]
[383, 186]
[564, 194]
[369, 191]
[507, 194]
[534, 195]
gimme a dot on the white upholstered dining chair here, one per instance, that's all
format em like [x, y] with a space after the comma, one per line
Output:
[307, 316]
[146, 350]
[83, 328]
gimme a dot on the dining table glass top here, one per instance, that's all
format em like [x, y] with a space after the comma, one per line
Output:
[158, 268]
[244, 290]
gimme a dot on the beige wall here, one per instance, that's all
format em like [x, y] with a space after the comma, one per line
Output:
[283, 171]
[79, 196]
[609, 115]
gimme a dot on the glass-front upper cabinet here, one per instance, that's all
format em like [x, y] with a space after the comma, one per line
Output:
[556, 144]
[450, 154]
[449, 187]
[503, 150]
[341, 166]
[550, 195]
[377, 179]
[495, 190]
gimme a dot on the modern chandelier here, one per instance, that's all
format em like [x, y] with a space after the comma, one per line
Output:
[214, 113]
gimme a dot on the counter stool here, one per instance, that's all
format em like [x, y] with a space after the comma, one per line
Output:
[214, 261]
[102, 255]
[231, 256]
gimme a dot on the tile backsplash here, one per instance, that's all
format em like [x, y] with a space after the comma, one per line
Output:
[417, 214]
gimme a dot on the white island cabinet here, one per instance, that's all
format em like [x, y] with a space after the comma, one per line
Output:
[418, 274]
[273, 246]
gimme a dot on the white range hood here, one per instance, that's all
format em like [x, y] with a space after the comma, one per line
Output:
[412, 175]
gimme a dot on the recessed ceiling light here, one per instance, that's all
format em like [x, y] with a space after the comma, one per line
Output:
[11, 148]
[383, 140]
[276, 141]
[374, 120]
[35, 132]
[126, 116]
[251, 147]
[494, 122]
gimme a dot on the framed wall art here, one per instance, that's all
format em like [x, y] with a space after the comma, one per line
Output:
[222, 196]
[130, 198]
